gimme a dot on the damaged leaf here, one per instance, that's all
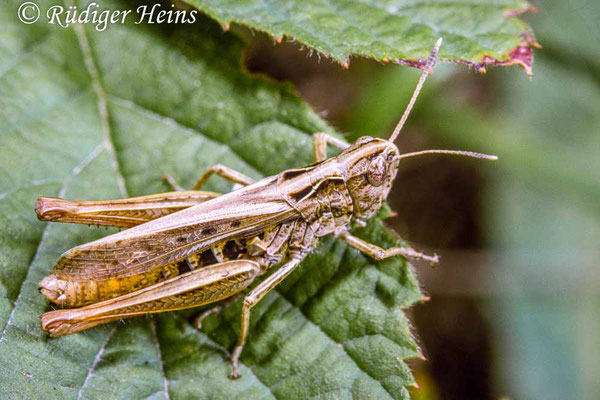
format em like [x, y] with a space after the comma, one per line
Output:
[475, 33]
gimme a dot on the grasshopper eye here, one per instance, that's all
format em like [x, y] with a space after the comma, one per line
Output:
[376, 171]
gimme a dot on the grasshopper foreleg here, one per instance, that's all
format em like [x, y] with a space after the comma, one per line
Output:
[226, 173]
[320, 140]
[250, 300]
[380, 254]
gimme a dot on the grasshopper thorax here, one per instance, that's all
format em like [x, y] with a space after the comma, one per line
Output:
[370, 166]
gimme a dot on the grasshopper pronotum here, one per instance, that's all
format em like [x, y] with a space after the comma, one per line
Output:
[187, 249]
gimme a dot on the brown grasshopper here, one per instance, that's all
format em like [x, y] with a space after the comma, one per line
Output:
[187, 249]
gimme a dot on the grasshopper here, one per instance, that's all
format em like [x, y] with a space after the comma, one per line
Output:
[190, 248]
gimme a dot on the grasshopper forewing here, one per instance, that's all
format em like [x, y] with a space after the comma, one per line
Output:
[279, 218]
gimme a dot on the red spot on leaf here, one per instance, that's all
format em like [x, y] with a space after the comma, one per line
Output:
[522, 55]
[519, 11]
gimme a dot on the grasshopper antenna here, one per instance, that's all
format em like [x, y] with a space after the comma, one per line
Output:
[427, 70]
[428, 67]
[452, 152]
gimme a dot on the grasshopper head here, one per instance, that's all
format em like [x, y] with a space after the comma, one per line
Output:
[371, 164]
[370, 167]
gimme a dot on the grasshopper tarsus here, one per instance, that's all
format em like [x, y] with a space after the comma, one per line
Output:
[235, 355]
[253, 298]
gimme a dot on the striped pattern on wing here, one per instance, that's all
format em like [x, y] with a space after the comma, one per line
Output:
[245, 212]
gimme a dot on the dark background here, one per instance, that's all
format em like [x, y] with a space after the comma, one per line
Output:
[514, 307]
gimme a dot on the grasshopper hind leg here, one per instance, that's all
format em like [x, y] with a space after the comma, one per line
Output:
[195, 288]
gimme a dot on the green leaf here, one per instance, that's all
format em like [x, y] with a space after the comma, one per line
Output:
[476, 33]
[92, 115]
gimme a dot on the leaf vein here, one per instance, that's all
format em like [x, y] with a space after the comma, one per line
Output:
[342, 345]
[90, 64]
[222, 348]
[95, 363]
[38, 182]
[24, 56]
[160, 360]
[132, 104]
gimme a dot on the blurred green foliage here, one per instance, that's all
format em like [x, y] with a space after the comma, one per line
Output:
[542, 198]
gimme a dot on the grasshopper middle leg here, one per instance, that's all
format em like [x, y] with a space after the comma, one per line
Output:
[379, 254]
[214, 310]
[250, 300]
